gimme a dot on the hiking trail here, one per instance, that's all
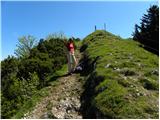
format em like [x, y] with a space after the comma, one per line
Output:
[63, 100]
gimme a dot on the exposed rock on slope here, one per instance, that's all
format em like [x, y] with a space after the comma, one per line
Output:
[63, 101]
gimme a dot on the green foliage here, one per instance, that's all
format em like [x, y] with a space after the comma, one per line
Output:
[24, 46]
[22, 77]
[45, 59]
[18, 92]
[30, 103]
[148, 32]
[9, 65]
[9, 70]
[39, 94]
[59, 35]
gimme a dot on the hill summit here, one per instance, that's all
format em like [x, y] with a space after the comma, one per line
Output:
[122, 82]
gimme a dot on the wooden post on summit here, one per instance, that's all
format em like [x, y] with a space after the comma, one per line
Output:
[95, 28]
[105, 26]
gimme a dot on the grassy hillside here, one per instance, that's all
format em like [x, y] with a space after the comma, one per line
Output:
[124, 83]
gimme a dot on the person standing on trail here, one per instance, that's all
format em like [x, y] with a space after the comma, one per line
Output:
[72, 61]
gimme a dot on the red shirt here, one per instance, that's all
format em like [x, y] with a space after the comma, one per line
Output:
[70, 47]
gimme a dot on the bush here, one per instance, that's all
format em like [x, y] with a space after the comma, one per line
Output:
[21, 78]
[18, 92]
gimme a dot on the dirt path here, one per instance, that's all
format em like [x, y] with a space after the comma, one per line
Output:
[62, 102]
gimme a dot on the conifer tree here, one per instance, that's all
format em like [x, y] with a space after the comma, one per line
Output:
[148, 31]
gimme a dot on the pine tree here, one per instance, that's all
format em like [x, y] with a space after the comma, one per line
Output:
[148, 31]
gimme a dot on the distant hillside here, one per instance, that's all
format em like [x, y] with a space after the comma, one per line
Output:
[122, 82]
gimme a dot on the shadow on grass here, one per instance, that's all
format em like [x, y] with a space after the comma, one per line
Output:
[54, 78]
[88, 109]
[57, 77]
[150, 49]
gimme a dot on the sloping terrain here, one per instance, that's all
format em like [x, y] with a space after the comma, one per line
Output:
[63, 99]
[62, 102]
[124, 83]
[119, 80]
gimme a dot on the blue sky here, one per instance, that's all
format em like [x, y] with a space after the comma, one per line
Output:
[73, 18]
